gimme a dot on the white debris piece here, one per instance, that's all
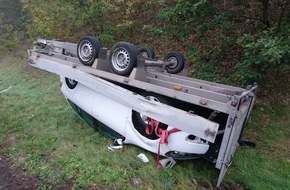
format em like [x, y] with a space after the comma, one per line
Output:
[5, 90]
[167, 162]
[143, 157]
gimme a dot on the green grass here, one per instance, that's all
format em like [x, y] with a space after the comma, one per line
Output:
[41, 134]
[267, 166]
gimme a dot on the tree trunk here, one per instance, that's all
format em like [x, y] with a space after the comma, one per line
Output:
[265, 19]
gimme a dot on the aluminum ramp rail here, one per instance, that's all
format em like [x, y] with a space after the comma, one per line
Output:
[174, 117]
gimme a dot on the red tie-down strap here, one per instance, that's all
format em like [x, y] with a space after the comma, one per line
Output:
[163, 134]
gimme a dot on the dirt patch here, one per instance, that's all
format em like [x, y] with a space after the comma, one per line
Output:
[15, 179]
[95, 186]
[224, 186]
[135, 181]
[12, 178]
[67, 186]
[230, 186]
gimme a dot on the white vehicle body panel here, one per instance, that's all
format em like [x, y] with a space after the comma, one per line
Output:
[118, 117]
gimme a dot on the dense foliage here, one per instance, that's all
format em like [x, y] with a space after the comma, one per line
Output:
[238, 41]
[11, 25]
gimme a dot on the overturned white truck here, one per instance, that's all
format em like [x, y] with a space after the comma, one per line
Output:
[125, 92]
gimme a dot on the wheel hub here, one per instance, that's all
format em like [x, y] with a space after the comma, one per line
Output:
[173, 62]
[71, 81]
[86, 51]
[121, 59]
[144, 54]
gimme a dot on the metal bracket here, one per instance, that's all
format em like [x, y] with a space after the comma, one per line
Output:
[227, 163]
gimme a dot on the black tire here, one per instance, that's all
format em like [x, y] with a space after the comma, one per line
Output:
[123, 58]
[138, 119]
[71, 84]
[88, 50]
[146, 52]
[177, 61]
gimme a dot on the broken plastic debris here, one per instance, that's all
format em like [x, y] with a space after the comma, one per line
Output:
[110, 148]
[117, 144]
[143, 157]
[167, 162]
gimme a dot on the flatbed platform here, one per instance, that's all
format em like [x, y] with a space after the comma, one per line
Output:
[207, 94]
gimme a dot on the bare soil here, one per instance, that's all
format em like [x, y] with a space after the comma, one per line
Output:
[224, 186]
[12, 178]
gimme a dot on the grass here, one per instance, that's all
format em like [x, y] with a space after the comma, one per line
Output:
[267, 166]
[41, 134]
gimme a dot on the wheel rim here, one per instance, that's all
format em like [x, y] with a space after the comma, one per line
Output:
[145, 118]
[144, 54]
[121, 59]
[173, 62]
[86, 51]
[72, 82]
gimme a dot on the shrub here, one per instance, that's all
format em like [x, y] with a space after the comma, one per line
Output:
[265, 56]
[12, 24]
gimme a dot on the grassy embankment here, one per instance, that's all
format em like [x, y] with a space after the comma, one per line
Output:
[41, 134]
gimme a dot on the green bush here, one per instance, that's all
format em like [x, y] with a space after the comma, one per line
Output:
[184, 16]
[12, 24]
[52, 19]
[265, 56]
[10, 38]
[107, 40]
